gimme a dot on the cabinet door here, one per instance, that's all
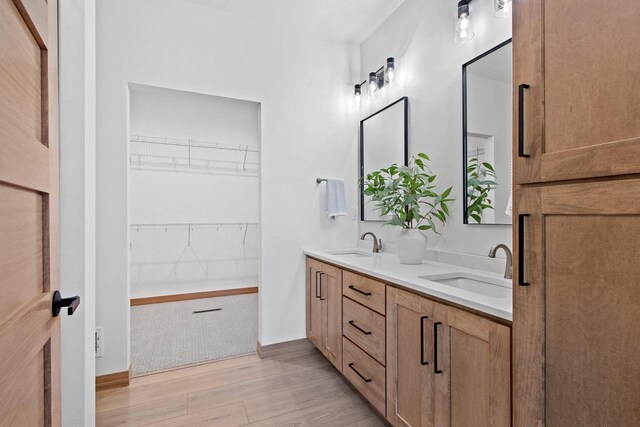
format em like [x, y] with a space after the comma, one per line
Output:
[578, 115]
[472, 370]
[331, 297]
[315, 307]
[410, 393]
[576, 325]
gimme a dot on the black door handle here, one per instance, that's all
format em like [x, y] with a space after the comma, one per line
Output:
[352, 323]
[422, 361]
[366, 294]
[435, 348]
[58, 302]
[521, 89]
[366, 380]
[317, 281]
[321, 274]
[521, 281]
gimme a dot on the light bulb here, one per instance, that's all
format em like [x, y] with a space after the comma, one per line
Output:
[502, 8]
[464, 29]
[373, 82]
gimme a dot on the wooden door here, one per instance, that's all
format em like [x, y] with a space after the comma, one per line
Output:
[579, 62]
[473, 370]
[315, 307]
[331, 298]
[29, 335]
[576, 324]
[410, 386]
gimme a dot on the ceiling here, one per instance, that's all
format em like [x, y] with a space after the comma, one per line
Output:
[341, 20]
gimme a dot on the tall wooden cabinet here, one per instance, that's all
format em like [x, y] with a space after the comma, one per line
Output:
[445, 366]
[576, 78]
[324, 309]
[576, 328]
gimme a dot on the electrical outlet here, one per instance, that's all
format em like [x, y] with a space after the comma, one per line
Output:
[354, 213]
[99, 343]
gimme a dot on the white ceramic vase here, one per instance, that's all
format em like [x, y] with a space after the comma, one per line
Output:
[411, 246]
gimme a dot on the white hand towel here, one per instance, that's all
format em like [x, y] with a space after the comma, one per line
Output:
[336, 202]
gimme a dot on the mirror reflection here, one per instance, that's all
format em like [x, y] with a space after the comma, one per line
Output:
[383, 141]
[487, 135]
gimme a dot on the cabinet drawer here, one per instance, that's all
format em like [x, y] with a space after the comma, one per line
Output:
[367, 375]
[366, 291]
[364, 327]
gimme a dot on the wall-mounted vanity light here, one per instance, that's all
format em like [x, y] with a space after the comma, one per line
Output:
[377, 79]
[502, 8]
[464, 23]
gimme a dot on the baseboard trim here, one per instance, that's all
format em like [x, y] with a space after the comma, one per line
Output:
[117, 379]
[263, 350]
[193, 295]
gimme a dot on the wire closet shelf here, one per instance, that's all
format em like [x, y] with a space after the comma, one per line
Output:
[193, 226]
[192, 155]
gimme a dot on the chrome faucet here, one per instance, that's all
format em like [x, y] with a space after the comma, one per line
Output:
[377, 243]
[508, 269]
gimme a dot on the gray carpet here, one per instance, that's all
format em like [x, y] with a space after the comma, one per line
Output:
[169, 335]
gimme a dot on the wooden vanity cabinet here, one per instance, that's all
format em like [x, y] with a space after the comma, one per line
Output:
[445, 366]
[410, 385]
[324, 309]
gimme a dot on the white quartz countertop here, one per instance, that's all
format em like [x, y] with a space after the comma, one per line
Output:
[386, 267]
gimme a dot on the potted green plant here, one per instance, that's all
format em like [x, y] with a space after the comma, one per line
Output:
[409, 195]
[481, 180]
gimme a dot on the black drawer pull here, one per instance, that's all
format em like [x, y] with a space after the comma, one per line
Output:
[366, 294]
[366, 380]
[317, 281]
[352, 323]
[521, 281]
[521, 89]
[422, 361]
[435, 348]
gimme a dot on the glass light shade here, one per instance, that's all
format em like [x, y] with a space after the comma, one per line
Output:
[502, 8]
[391, 69]
[464, 29]
[373, 82]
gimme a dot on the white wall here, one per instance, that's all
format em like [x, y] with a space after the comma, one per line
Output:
[420, 35]
[308, 129]
[77, 103]
[225, 190]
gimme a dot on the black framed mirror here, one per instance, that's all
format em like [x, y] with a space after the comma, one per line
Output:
[384, 140]
[487, 135]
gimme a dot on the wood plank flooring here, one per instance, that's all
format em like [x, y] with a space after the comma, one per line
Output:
[291, 385]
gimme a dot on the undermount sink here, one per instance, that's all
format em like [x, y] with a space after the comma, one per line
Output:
[350, 253]
[490, 287]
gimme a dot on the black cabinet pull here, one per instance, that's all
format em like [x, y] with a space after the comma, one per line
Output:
[317, 281]
[435, 348]
[352, 323]
[521, 281]
[321, 274]
[422, 361]
[58, 302]
[366, 294]
[521, 89]
[366, 380]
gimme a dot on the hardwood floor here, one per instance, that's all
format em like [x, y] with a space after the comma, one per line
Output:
[287, 386]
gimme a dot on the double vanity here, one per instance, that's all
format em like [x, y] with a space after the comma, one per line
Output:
[426, 344]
